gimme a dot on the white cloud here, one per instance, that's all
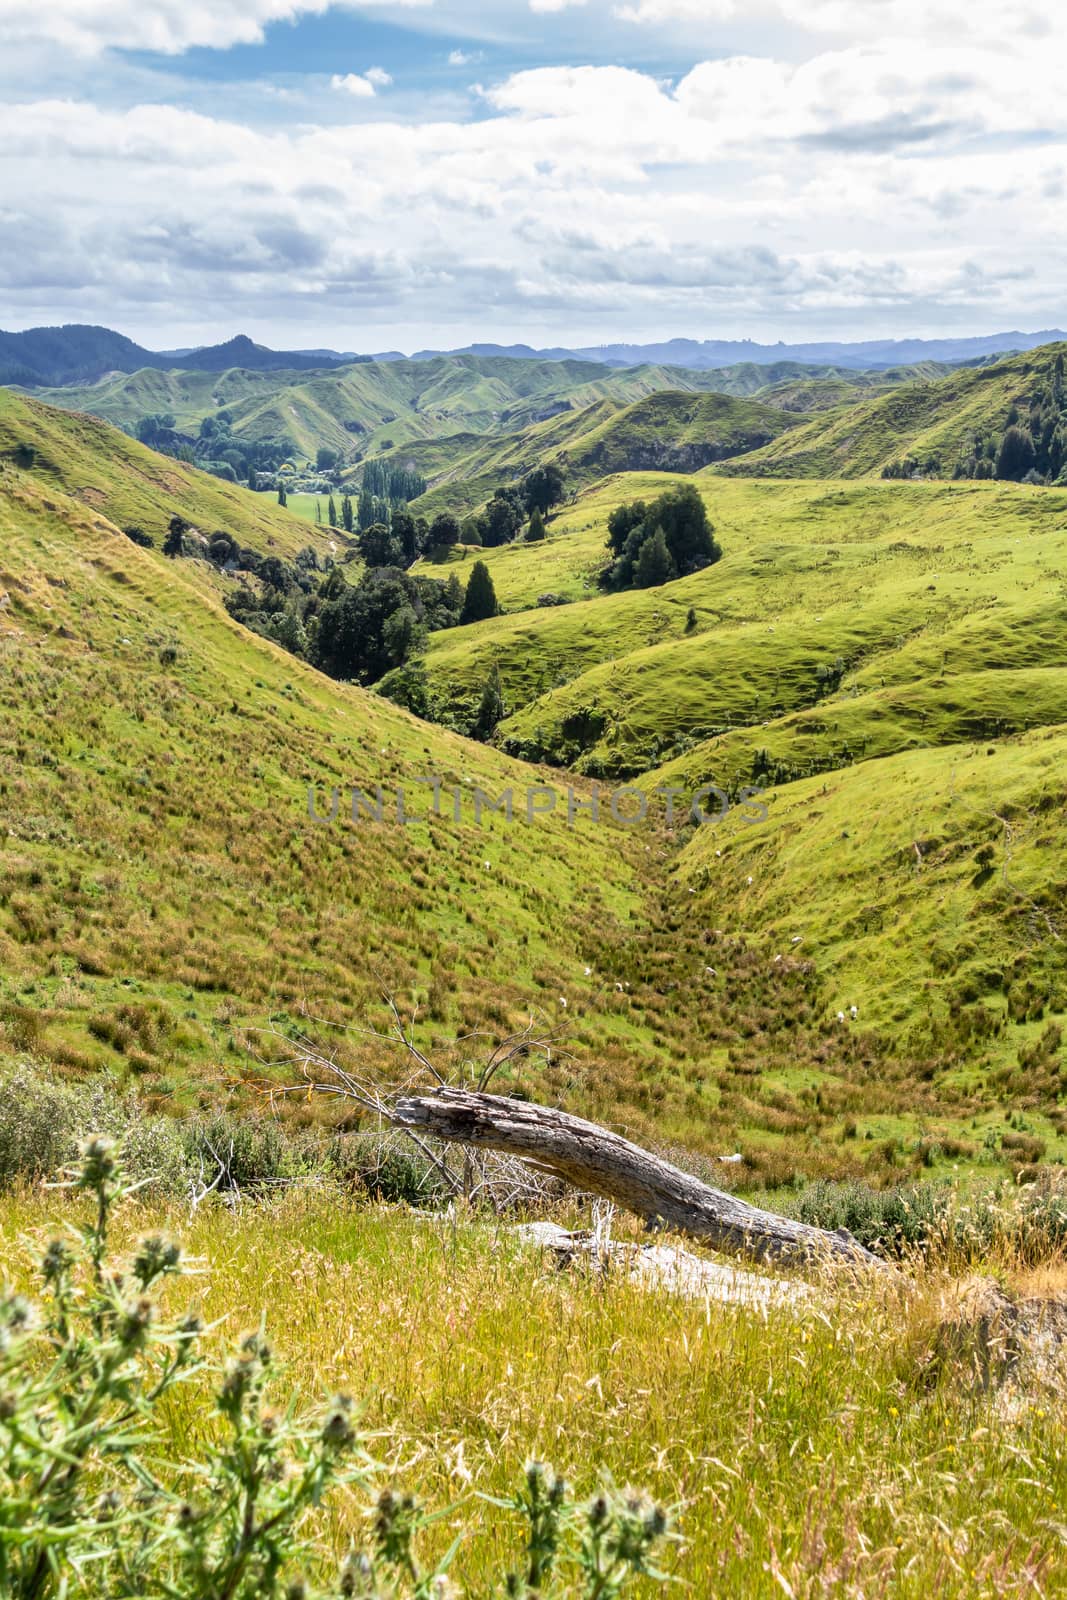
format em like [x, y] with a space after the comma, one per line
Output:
[353, 83]
[872, 184]
[88, 27]
[361, 84]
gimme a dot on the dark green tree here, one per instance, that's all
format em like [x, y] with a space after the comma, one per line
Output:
[406, 533]
[331, 512]
[347, 519]
[543, 488]
[454, 597]
[504, 516]
[379, 546]
[654, 564]
[444, 531]
[1016, 454]
[490, 707]
[479, 601]
[174, 543]
[535, 531]
[283, 498]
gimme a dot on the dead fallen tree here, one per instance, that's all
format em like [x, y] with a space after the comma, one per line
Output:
[594, 1159]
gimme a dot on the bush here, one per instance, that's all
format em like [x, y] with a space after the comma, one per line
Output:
[41, 1122]
[90, 1504]
[37, 1128]
[137, 535]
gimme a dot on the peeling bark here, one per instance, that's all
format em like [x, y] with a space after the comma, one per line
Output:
[598, 1161]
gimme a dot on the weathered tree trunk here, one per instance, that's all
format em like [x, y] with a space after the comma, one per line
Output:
[599, 1161]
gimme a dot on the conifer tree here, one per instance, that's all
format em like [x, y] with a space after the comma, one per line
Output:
[535, 531]
[479, 601]
[654, 562]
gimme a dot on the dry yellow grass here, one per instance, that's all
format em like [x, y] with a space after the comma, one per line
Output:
[840, 1451]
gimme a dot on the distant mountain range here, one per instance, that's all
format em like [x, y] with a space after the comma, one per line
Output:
[874, 355]
[50, 357]
[78, 354]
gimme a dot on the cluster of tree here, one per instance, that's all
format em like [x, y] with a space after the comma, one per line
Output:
[214, 448]
[352, 631]
[653, 543]
[1031, 447]
[914, 467]
[395, 485]
[517, 509]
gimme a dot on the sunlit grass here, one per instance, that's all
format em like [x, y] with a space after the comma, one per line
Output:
[834, 1451]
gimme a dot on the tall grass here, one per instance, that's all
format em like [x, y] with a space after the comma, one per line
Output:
[841, 1450]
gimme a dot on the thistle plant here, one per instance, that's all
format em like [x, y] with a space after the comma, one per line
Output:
[90, 1505]
[87, 1505]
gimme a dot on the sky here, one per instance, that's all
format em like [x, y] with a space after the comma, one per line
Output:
[433, 172]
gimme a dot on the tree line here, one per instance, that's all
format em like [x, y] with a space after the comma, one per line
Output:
[352, 631]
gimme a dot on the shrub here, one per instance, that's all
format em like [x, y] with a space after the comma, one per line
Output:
[41, 1122]
[37, 1128]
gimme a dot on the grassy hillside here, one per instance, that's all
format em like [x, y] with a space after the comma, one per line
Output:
[672, 432]
[893, 650]
[928, 887]
[368, 407]
[127, 483]
[851, 1436]
[163, 893]
[851, 603]
[165, 900]
[926, 420]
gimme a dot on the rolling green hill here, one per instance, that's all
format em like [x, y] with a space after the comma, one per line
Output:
[888, 661]
[166, 901]
[461, 418]
[932, 421]
[824, 593]
[108, 472]
[368, 407]
[666, 432]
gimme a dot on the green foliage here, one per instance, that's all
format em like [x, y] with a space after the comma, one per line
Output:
[174, 543]
[654, 564]
[543, 488]
[677, 530]
[86, 1507]
[535, 530]
[444, 531]
[479, 601]
[393, 485]
[490, 708]
[379, 546]
[137, 535]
